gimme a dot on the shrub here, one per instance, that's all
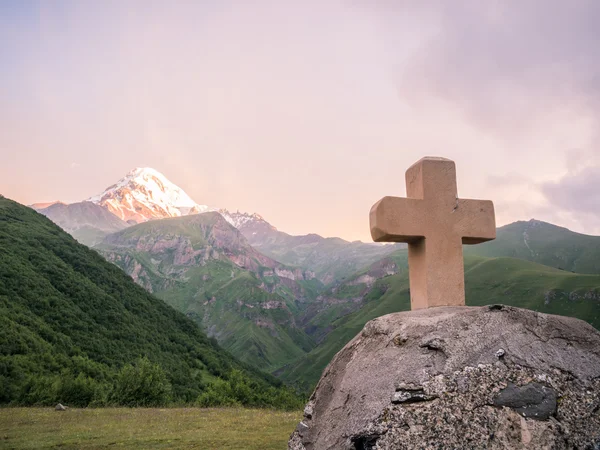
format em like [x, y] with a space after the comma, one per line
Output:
[142, 384]
[217, 393]
[79, 391]
[239, 390]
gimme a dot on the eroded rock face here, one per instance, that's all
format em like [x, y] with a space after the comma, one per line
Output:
[458, 377]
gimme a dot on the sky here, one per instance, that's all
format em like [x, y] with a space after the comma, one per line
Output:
[306, 112]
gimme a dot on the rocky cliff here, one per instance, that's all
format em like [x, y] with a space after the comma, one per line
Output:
[486, 377]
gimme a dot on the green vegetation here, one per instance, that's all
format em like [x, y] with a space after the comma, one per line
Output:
[545, 244]
[197, 228]
[254, 325]
[508, 281]
[76, 329]
[205, 268]
[181, 428]
[349, 296]
[189, 263]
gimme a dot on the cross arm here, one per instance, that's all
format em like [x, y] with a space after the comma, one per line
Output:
[397, 219]
[476, 221]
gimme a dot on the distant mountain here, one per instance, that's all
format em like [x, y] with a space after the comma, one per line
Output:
[71, 323]
[38, 206]
[330, 258]
[532, 240]
[345, 309]
[245, 221]
[146, 194]
[85, 221]
[204, 267]
[546, 244]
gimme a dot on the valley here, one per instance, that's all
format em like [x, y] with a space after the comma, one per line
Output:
[286, 304]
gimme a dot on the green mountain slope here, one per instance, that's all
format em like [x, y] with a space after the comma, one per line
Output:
[204, 267]
[71, 323]
[488, 281]
[545, 244]
[349, 295]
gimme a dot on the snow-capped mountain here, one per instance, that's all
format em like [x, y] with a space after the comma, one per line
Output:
[241, 220]
[145, 194]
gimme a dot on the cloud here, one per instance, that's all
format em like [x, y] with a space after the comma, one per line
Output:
[576, 192]
[524, 77]
[508, 65]
[509, 179]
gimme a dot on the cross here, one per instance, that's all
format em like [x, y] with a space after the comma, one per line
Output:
[435, 223]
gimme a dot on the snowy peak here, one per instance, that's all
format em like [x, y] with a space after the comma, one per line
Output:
[145, 194]
[242, 220]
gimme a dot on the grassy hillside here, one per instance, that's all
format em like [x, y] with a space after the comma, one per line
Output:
[77, 329]
[205, 268]
[349, 295]
[545, 244]
[488, 281]
[255, 325]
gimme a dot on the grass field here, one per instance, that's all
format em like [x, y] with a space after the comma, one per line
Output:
[33, 428]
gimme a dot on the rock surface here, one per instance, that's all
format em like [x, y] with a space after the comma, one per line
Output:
[436, 378]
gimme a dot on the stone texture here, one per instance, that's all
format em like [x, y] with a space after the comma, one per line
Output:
[435, 223]
[434, 379]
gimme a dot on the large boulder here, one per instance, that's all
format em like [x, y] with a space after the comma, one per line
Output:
[492, 377]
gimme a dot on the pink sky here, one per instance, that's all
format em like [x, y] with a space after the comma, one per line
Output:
[305, 112]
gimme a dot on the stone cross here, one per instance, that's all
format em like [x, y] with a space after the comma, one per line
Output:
[435, 223]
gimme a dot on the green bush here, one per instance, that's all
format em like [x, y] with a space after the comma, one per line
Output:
[142, 384]
[78, 391]
[217, 393]
[239, 390]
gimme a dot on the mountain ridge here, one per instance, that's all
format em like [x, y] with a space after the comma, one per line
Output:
[544, 243]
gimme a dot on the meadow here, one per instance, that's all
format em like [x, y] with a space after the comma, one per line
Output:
[146, 428]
